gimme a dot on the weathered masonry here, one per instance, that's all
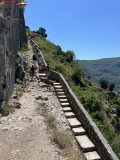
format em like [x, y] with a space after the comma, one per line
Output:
[12, 37]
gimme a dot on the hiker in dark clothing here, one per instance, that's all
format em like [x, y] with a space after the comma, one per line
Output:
[35, 60]
[34, 57]
[32, 69]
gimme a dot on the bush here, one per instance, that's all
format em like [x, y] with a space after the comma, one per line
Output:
[103, 83]
[111, 87]
[7, 110]
[118, 110]
[92, 104]
[8, 53]
[78, 74]
[24, 48]
[98, 116]
[60, 67]
[116, 145]
[62, 139]
[50, 119]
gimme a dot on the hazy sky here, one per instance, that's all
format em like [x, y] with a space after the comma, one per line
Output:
[91, 28]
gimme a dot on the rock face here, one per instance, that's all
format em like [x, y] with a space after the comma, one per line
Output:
[12, 37]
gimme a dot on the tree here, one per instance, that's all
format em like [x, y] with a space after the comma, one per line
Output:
[78, 74]
[70, 55]
[103, 83]
[111, 87]
[41, 32]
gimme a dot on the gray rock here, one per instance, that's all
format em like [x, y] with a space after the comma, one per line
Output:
[46, 98]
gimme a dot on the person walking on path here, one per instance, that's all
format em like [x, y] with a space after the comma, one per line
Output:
[32, 69]
[40, 62]
[35, 60]
[39, 55]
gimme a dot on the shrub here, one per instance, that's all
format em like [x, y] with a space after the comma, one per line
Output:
[62, 139]
[78, 74]
[103, 83]
[50, 119]
[7, 110]
[116, 145]
[98, 116]
[24, 48]
[92, 104]
[8, 53]
[9, 71]
[118, 110]
[111, 87]
[60, 67]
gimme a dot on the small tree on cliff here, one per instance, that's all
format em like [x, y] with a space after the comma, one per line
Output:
[111, 87]
[103, 83]
[42, 32]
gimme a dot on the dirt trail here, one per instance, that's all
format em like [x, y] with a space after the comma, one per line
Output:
[23, 133]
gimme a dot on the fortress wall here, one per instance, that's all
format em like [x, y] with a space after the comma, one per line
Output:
[12, 37]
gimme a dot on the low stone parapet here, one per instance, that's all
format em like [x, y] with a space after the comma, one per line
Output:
[101, 144]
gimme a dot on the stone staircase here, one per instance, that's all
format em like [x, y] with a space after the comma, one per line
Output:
[82, 139]
[79, 132]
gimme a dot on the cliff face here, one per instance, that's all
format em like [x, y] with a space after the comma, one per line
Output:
[12, 37]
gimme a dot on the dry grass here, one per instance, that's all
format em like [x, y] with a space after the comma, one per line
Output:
[50, 119]
[62, 139]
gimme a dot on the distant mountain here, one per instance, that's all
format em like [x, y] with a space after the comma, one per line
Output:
[107, 68]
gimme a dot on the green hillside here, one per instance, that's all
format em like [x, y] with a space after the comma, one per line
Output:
[108, 69]
[101, 104]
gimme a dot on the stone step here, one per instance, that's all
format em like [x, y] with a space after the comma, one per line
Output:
[85, 143]
[62, 96]
[59, 90]
[92, 156]
[78, 131]
[56, 83]
[65, 104]
[63, 100]
[51, 82]
[57, 87]
[60, 93]
[42, 75]
[74, 122]
[69, 114]
[67, 109]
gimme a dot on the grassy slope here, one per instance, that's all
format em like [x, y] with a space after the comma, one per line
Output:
[108, 68]
[93, 98]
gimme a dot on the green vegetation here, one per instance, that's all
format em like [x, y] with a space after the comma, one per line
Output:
[111, 87]
[42, 32]
[7, 110]
[107, 68]
[103, 83]
[50, 119]
[101, 104]
[9, 70]
[62, 139]
[24, 48]
[8, 53]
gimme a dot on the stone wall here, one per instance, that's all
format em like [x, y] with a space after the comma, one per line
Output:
[82, 115]
[12, 37]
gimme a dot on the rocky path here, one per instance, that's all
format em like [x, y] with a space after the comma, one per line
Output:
[23, 133]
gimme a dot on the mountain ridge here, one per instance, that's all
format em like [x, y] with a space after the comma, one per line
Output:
[106, 68]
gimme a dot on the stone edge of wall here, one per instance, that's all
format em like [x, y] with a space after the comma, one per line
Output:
[102, 146]
[37, 49]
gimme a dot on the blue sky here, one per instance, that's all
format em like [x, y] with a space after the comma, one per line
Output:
[91, 28]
